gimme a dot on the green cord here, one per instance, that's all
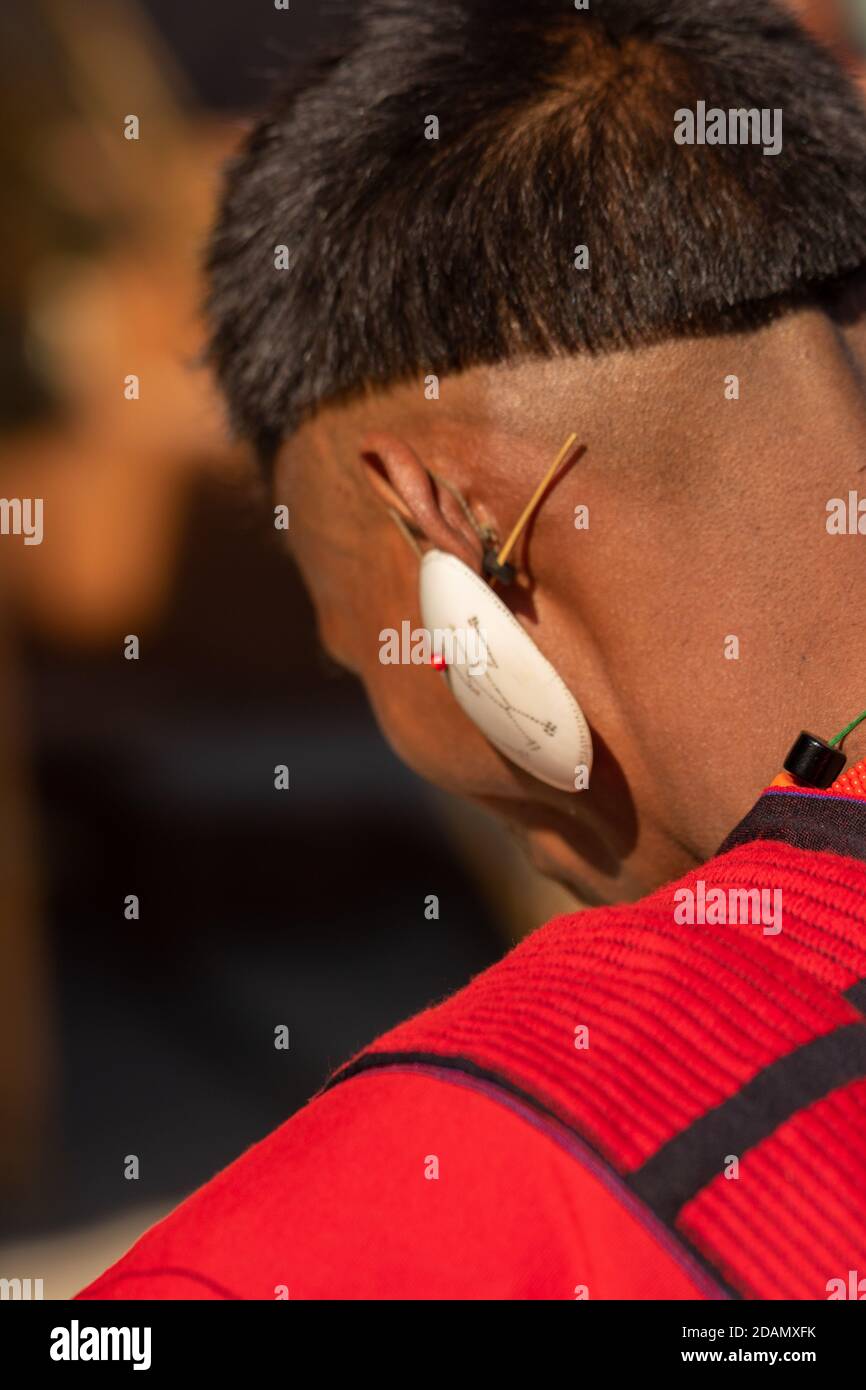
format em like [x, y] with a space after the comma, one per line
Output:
[847, 729]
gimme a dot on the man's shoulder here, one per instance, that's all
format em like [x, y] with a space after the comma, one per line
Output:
[629, 1022]
[402, 1184]
[584, 1094]
[418, 1164]
[690, 1044]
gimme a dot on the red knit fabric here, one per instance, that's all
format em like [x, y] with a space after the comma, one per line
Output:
[680, 1018]
[607, 1165]
[794, 1218]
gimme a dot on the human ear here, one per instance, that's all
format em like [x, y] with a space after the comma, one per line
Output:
[431, 510]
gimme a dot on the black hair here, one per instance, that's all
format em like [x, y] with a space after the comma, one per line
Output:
[409, 255]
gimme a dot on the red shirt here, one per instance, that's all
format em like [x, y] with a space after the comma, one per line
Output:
[632, 1104]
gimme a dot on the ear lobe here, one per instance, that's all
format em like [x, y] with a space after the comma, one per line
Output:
[402, 483]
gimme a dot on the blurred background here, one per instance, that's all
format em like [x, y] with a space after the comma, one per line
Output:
[153, 1035]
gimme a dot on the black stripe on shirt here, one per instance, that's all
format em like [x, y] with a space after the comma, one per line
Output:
[695, 1156]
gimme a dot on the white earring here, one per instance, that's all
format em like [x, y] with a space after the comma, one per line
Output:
[499, 677]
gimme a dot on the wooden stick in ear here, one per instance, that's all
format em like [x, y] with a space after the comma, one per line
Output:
[526, 514]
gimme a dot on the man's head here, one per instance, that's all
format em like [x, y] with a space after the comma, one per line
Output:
[474, 231]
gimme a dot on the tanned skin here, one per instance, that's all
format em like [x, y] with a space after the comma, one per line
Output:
[707, 520]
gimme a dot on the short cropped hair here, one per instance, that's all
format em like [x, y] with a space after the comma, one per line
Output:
[408, 254]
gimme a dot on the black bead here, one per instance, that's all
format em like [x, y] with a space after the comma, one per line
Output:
[813, 761]
[491, 566]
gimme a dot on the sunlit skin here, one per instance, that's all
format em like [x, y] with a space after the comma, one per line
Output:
[707, 519]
